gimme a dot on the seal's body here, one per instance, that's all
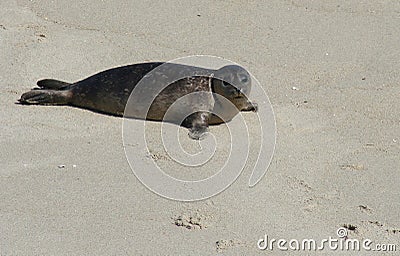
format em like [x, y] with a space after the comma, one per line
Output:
[156, 86]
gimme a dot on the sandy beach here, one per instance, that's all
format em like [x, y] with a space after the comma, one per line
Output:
[331, 70]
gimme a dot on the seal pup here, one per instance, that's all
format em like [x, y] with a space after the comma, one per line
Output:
[109, 91]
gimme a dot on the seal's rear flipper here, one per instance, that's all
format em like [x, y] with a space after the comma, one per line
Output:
[45, 97]
[52, 84]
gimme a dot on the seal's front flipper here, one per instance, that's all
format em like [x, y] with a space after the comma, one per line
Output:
[45, 97]
[198, 132]
[250, 106]
[198, 125]
[52, 84]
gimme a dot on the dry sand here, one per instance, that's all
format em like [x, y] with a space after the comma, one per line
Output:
[337, 154]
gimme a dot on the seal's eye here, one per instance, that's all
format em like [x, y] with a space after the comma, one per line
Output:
[225, 83]
[244, 79]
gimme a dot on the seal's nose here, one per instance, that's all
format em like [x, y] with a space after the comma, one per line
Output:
[243, 78]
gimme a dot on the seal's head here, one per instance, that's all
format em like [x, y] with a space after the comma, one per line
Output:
[234, 83]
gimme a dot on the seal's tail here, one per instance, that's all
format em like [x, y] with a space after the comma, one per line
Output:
[51, 92]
